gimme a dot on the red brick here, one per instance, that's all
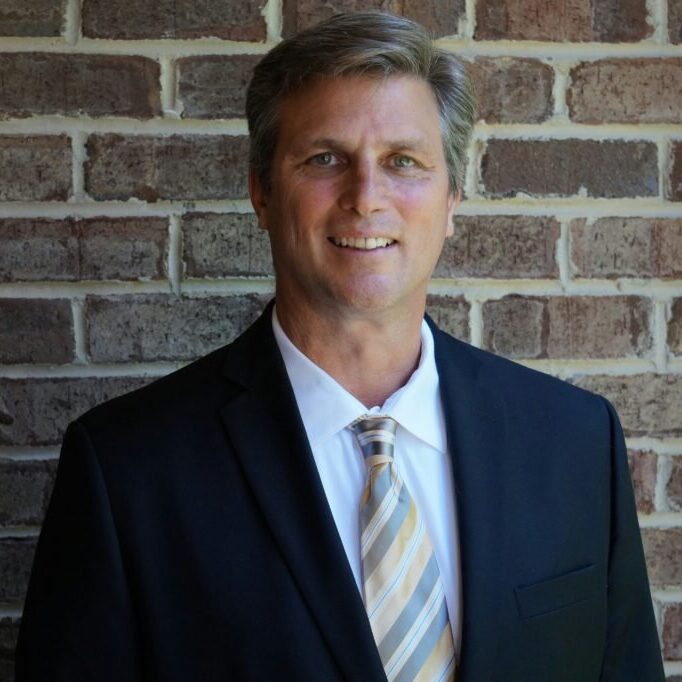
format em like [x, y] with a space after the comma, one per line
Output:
[225, 245]
[663, 550]
[568, 326]
[675, 327]
[675, 21]
[214, 86]
[562, 20]
[37, 249]
[674, 188]
[25, 488]
[570, 167]
[451, 314]
[36, 331]
[173, 19]
[70, 85]
[16, 558]
[627, 247]
[165, 327]
[500, 246]
[643, 471]
[674, 486]
[672, 632]
[512, 90]
[648, 404]
[36, 168]
[175, 167]
[34, 18]
[626, 91]
[440, 17]
[36, 411]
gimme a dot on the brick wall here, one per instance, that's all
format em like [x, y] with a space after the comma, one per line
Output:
[128, 246]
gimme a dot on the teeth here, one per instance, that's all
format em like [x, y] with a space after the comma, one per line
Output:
[368, 243]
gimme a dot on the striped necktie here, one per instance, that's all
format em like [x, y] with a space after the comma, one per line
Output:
[403, 591]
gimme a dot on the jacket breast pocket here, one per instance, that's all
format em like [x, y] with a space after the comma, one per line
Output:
[559, 592]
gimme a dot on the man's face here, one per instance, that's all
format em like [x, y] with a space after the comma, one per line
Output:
[359, 203]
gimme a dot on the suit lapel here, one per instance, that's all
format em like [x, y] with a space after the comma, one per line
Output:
[265, 428]
[476, 430]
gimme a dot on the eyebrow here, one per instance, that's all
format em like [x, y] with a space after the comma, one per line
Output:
[408, 143]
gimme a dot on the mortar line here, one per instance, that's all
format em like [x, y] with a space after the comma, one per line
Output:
[660, 332]
[78, 159]
[664, 159]
[663, 470]
[272, 13]
[468, 25]
[476, 323]
[168, 84]
[72, 22]
[175, 264]
[79, 331]
[562, 253]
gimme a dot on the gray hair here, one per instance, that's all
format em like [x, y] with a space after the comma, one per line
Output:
[361, 43]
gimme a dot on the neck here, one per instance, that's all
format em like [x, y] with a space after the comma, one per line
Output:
[371, 356]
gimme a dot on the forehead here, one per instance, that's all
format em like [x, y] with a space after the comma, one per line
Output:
[397, 105]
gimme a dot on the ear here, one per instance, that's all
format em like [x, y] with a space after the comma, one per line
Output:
[453, 202]
[259, 198]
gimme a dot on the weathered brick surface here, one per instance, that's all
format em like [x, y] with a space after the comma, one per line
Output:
[451, 314]
[675, 327]
[214, 86]
[95, 85]
[663, 550]
[9, 631]
[674, 188]
[225, 245]
[164, 327]
[570, 167]
[440, 17]
[175, 167]
[34, 18]
[674, 486]
[672, 632]
[626, 91]
[643, 468]
[675, 21]
[25, 488]
[500, 247]
[37, 411]
[36, 168]
[16, 557]
[568, 326]
[512, 90]
[36, 331]
[626, 247]
[646, 403]
[173, 19]
[89, 249]
[572, 20]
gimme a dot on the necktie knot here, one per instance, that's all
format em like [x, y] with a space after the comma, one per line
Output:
[376, 436]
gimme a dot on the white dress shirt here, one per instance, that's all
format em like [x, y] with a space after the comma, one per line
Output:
[420, 455]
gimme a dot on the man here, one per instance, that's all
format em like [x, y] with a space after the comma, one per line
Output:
[346, 492]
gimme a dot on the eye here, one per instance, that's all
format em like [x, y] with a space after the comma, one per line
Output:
[323, 159]
[402, 161]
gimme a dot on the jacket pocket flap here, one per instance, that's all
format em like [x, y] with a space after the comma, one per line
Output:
[555, 593]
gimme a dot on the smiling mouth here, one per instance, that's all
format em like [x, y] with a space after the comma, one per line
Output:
[364, 243]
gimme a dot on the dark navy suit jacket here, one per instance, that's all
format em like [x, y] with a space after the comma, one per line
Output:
[188, 536]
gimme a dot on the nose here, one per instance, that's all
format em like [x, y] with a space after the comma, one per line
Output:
[365, 190]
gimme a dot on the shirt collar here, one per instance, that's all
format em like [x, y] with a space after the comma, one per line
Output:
[326, 407]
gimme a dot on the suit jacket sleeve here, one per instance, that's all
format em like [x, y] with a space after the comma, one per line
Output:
[632, 647]
[77, 622]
